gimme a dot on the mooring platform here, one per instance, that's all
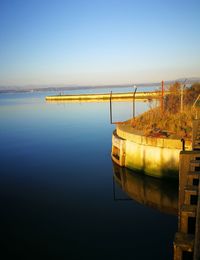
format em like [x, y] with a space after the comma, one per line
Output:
[105, 97]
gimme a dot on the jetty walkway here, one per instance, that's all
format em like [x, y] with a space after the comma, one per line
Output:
[187, 239]
[128, 96]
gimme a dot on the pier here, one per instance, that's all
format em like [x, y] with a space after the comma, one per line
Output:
[187, 239]
[128, 96]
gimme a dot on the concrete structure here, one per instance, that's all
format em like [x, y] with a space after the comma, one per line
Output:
[158, 157]
[106, 97]
[187, 240]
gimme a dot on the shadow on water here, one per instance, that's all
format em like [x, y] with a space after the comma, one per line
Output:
[159, 194]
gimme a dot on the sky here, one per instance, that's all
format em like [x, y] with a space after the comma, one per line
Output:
[98, 42]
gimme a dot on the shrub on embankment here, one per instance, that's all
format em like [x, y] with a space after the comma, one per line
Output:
[172, 120]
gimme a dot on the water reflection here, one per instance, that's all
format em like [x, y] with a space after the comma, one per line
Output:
[55, 186]
[152, 192]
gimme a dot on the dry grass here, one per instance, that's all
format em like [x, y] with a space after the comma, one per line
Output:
[173, 125]
[170, 123]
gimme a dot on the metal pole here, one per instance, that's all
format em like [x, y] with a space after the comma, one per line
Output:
[181, 98]
[111, 107]
[193, 106]
[133, 106]
[182, 86]
[183, 144]
[162, 97]
[134, 102]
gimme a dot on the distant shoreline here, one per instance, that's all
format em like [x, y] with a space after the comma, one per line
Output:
[30, 89]
[45, 89]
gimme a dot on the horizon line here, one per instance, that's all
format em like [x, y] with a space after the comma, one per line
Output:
[46, 85]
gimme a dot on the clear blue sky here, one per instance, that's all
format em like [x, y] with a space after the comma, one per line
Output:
[98, 42]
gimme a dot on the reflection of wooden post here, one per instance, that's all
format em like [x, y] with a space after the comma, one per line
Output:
[162, 97]
[111, 107]
[114, 197]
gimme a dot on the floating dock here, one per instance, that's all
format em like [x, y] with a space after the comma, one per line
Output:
[143, 96]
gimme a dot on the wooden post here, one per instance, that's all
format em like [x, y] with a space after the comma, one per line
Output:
[133, 106]
[134, 102]
[111, 107]
[162, 97]
[183, 144]
[182, 88]
[181, 98]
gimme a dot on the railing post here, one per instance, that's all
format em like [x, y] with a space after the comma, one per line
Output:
[134, 102]
[162, 97]
[183, 144]
[111, 107]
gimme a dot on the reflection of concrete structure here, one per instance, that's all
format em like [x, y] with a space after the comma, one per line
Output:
[154, 156]
[187, 240]
[153, 192]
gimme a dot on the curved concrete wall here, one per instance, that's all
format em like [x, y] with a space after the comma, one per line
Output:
[157, 157]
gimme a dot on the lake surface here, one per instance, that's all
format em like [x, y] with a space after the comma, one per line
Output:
[58, 187]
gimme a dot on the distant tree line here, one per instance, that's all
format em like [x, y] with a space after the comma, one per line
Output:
[172, 102]
[176, 118]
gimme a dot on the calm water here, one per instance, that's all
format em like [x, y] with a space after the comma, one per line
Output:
[58, 186]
